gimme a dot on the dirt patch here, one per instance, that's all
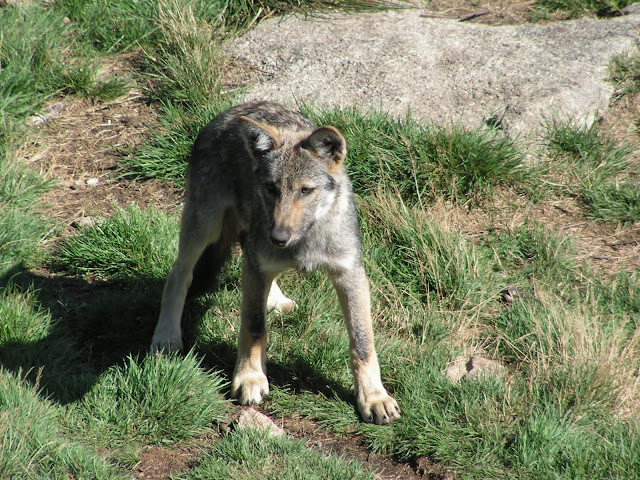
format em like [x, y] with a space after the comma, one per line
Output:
[79, 144]
[607, 248]
[351, 446]
[158, 463]
[499, 12]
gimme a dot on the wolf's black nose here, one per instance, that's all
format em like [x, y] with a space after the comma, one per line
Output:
[280, 236]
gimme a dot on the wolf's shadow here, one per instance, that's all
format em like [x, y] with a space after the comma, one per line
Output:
[96, 325]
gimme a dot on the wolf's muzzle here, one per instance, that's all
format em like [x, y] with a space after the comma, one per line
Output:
[280, 236]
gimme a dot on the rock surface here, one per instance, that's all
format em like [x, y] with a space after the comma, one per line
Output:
[474, 367]
[442, 70]
[251, 418]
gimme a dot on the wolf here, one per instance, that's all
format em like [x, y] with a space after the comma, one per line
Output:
[263, 175]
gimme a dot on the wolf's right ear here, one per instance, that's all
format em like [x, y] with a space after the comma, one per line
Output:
[259, 137]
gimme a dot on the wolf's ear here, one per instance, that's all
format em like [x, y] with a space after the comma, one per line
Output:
[259, 137]
[328, 144]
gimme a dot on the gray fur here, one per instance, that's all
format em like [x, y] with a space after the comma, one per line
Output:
[265, 176]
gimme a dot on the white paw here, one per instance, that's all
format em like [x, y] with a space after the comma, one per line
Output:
[285, 305]
[249, 387]
[166, 343]
[278, 302]
[380, 408]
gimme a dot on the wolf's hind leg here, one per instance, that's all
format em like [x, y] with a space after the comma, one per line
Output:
[277, 301]
[193, 241]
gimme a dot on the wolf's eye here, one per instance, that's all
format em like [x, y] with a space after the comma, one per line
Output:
[306, 190]
[272, 189]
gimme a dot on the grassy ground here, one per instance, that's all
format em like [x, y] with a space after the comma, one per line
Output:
[450, 218]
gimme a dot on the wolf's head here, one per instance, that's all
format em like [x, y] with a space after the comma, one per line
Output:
[298, 175]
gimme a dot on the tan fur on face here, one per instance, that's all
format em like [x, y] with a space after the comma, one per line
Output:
[245, 178]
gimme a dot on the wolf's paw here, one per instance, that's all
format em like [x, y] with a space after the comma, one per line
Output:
[278, 302]
[249, 387]
[166, 343]
[380, 408]
[285, 305]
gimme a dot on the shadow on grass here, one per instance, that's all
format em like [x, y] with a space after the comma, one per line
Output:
[96, 325]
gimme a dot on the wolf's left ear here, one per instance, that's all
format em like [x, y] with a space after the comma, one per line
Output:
[259, 137]
[328, 144]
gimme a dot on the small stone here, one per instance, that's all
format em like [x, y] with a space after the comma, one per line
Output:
[84, 222]
[511, 294]
[457, 369]
[250, 418]
[478, 366]
[93, 181]
[473, 368]
[52, 111]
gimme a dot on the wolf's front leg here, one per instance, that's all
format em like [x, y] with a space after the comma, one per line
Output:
[250, 382]
[374, 403]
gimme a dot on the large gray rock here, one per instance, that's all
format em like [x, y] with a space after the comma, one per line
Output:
[442, 70]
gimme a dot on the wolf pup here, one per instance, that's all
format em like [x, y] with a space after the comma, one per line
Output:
[265, 176]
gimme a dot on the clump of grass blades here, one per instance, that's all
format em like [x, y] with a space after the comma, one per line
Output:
[249, 454]
[546, 337]
[551, 442]
[619, 202]
[23, 228]
[22, 320]
[426, 261]
[190, 64]
[40, 58]
[624, 73]
[240, 15]
[118, 25]
[32, 444]
[599, 171]
[31, 339]
[424, 162]
[565, 9]
[585, 147]
[133, 244]
[165, 156]
[530, 252]
[160, 398]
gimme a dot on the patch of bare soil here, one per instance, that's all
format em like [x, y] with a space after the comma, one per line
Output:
[79, 143]
[499, 12]
[607, 248]
[157, 463]
[351, 446]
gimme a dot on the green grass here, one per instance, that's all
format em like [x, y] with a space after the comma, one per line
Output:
[23, 226]
[33, 444]
[132, 244]
[165, 156]
[41, 58]
[566, 9]
[597, 172]
[624, 74]
[251, 454]
[424, 260]
[80, 397]
[422, 162]
[134, 23]
[155, 400]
